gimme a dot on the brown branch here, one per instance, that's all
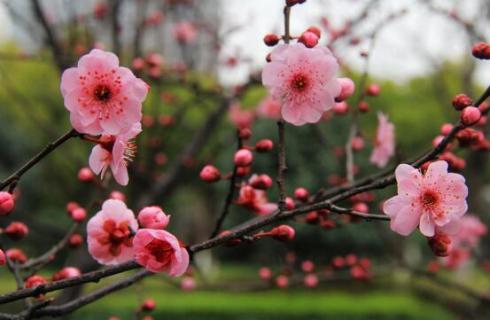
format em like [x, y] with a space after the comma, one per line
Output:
[15, 177]
[231, 193]
[39, 262]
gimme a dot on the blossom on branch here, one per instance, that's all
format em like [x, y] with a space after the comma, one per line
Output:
[102, 97]
[160, 251]
[431, 200]
[110, 233]
[384, 145]
[304, 80]
[115, 152]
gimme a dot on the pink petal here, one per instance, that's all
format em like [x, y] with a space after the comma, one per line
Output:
[427, 226]
[405, 221]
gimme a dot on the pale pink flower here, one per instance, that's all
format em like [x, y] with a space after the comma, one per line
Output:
[384, 145]
[115, 152]
[184, 32]
[240, 117]
[432, 200]
[470, 230]
[304, 80]
[102, 97]
[269, 108]
[153, 218]
[255, 200]
[109, 233]
[160, 251]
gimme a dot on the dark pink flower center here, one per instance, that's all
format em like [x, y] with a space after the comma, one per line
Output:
[161, 250]
[102, 92]
[299, 82]
[430, 199]
[116, 235]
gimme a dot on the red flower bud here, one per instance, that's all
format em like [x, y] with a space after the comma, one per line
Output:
[7, 203]
[301, 194]
[440, 244]
[461, 101]
[243, 158]
[85, 175]
[373, 90]
[66, 273]
[79, 214]
[3, 258]
[148, 305]
[75, 240]
[262, 182]
[16, 255]
[271, 39]
[35, 281]
[470, 115]
[309, 39]
[264, 145]
[283, 233]
[16, 230]
[481, 50]
[210, 174]
[315, 30]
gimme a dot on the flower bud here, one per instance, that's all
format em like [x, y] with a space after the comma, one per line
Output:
[262, 181]
[210, 174]
[271, 39]
[243, 158]
[290, 205]
[440, 244]
[245, 133]
[461, 101]
[315, 30]
[357, 143]
[265, 273]
[307, 266]
[7, 203]
[16, 255]
[85, 175]
[70, 206]
[338, 262]
[35, 281]
[66, 273]
[78, 214]
[360, 207]
[309, 39]
[373, 90]
[188, 284]
[341, 108]
[153, 218]
[148, 305]
[363, 106]
[470, 115]
[3, 258]
[243, 171]
[117, 195]
[16, 230]
[283, 233]
[347, 89]
[446, 129]
[301, 194]
[481, 50]
[282, 281]
[264, 145]
[75, 240]
[310, 280]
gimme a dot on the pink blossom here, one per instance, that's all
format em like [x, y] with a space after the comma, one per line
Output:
[432, 200]
[470, 230]
[184, 32]
[115, 152]
[457, 257]
[384, 145]
[304, 80]
[255, 200]
[240, 117]
[153, 218]
[311, 280]
[269, 108]
[109, 233]
[160, 251]
[188, 284]
[102, 97]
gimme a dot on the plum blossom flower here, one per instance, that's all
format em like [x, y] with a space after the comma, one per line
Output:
[269, 108]
[384, 145]
[115, 152]
[102, 97]
[304, 80]
[255, 200]
[184, 32]
[240, 117]
[110, 233]
[470, 230]
[431, 200]
[160, 251]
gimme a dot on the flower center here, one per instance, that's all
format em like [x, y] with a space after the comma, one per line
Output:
[102, 92]
[430, 198]
[161, 250]
[116, 236]
[299, 82]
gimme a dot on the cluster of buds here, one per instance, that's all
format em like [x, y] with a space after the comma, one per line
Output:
[359, 268]
[470, 115]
